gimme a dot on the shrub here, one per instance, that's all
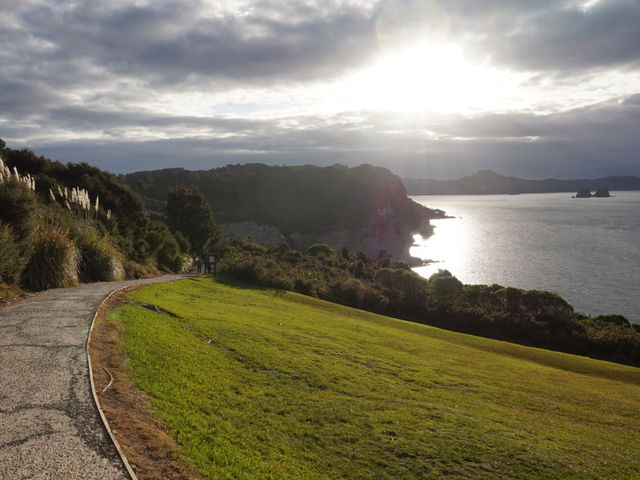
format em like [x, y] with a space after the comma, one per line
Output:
[444, 288]
[184, 263]
[18, 209]
[99, 261]
[348, 292]
[54, 262]
[321, 250]
[136, 270]
[11, 264]
[614, 319]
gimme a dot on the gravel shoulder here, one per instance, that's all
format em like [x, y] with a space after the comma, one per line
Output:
[50, 427]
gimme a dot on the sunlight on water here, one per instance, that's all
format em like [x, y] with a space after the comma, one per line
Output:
[586, 250]
[448, 248]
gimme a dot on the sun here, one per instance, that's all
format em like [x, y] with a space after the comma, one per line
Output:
[430, 77]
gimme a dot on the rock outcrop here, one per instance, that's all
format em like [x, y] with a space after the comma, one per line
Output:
[602, 193]
[586, 193]
[583, 193]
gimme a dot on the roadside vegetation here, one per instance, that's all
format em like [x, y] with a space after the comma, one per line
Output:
[258, 383]
[380, 285]
[64, 224]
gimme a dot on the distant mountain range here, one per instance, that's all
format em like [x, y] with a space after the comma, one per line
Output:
[487, 182]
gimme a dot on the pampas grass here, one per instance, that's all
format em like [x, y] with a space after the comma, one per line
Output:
[11, 263]
[99, 261]
[54, 262]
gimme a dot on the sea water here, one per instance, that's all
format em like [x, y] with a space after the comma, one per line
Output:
[587, 250]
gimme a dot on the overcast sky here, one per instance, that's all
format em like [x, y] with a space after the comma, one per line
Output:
[441, 89]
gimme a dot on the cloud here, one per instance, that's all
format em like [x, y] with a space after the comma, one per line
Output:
[598, 140]
[563, 37]
[149, 84]
[182, 42]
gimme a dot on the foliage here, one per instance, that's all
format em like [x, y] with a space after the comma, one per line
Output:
[127, 221]
[295, 198]
[105, 222]
[189, 213]
[11, 264]
[283, 386]
[536, 318]
[320, 250]
[444, 288]
[54, 263]
[18, 209]
[99, 260]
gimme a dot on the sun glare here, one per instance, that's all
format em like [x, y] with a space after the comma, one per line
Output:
[430, 77]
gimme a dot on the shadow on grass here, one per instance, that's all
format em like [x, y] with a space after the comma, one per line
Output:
[574, 363]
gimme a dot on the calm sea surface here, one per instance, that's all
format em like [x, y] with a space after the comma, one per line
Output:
[586, 250]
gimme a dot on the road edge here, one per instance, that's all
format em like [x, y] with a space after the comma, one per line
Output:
[107, 427]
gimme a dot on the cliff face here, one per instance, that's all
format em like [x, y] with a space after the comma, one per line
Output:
[363, 208]
[394, 239]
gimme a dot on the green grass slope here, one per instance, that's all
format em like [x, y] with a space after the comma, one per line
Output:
[257, 384]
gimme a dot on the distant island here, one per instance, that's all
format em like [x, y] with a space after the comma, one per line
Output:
[487, 182]
[586, 193]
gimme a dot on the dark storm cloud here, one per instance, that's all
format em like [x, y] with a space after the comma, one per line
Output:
[173, 42]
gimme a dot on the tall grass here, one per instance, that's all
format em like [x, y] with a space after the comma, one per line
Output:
[99, 261]
[54, 262]
[18, 208]
[11, 263]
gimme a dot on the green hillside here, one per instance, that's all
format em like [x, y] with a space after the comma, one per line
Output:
[304, 198]
[255, 383]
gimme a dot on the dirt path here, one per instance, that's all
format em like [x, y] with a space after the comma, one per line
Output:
[49, 425]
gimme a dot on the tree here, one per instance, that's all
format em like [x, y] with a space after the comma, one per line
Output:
[189, 213]
[444, 288]
[2, 144]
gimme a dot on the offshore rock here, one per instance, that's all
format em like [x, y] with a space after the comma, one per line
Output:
[583, 193]
[602, 193]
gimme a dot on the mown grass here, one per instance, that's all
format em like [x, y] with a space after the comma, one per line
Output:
[257, 384]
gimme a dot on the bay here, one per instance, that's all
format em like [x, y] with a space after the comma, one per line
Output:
[586, 250]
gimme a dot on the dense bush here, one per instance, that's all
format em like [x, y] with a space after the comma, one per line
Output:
[54, 262]
[536, 318]
[11, 264]
[189, 213]
[297, 198]
[86, 211]
[320, 250]
[99, 261]
[18, 209]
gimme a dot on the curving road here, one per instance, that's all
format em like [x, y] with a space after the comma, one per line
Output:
[49, 425]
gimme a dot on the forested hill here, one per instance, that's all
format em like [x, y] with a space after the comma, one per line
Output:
[292, 198]
[487, 182]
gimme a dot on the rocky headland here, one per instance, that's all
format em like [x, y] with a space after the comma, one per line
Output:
[362, 208]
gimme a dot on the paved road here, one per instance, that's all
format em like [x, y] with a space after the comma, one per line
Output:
[49, 425]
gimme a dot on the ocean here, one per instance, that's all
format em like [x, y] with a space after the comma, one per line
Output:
[586, 250]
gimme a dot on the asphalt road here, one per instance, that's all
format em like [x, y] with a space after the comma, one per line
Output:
[49, 425]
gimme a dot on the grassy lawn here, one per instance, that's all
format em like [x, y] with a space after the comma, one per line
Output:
[257, 384]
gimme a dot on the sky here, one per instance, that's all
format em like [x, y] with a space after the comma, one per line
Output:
[428, 89]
